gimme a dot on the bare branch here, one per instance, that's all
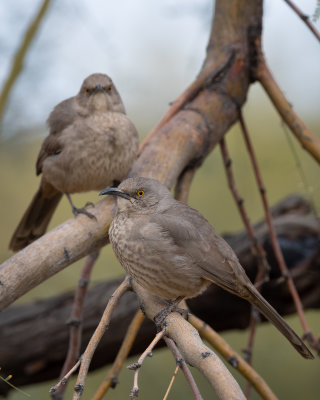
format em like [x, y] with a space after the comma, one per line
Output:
[96, 337]
[111, 379]
[183, 365]
[305, 18]
[307, 139]
[137, 365]
[19, 57]
[232, 357]
[192, 348]
[75, 320]
[274, 240]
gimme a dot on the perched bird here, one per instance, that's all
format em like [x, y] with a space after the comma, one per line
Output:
[91, 144]
[173, 252]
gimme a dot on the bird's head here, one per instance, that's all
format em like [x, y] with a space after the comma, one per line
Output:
[98, 93]
[140, 195]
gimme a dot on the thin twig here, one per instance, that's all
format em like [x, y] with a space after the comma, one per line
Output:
[111, 379]
[274, 240]
[305, 136]
[97, 335]
[183, 365]
[64, 379]
[75, 321]
[305, 18]
[136, 366]
[258, 251]
[232, 357]
[19, 57]
[171, 382]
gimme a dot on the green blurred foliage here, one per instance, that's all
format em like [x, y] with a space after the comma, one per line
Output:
[290, 376]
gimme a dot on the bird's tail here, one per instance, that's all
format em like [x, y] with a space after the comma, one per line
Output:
[36, 219]
[272, 315]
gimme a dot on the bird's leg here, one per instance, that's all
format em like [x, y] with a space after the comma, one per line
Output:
[83, 210]
[172, 306]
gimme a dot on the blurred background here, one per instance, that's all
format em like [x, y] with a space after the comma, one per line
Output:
[153, 51]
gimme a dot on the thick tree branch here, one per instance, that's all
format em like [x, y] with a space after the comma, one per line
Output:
[185, 140]
[193, 350]
[43, 324]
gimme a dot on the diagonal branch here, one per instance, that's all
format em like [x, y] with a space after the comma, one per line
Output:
[274, 239]
[17, 63]
[305, 18]
[232, 357]
[305, 136]
[96, 337]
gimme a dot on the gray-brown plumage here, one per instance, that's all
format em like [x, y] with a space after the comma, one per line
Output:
[172, 251]
[91, 144]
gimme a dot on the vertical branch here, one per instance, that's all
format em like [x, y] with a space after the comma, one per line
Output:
[275, 243]
[75, 321]
[19, 57]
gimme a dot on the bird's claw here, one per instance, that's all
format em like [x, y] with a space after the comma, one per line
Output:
[76, 211]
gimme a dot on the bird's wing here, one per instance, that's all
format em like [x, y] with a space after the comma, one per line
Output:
[195, 238]
[50, 146]
[62, 116]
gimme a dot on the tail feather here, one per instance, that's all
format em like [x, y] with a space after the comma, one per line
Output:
[273, 316]
[35, 220]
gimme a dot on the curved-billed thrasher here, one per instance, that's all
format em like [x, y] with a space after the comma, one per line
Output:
[173, 252]
[91, 144]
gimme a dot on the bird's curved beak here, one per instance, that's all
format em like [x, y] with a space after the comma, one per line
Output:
[114, 192]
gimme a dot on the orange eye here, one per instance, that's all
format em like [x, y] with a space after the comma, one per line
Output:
[140, 193]
[86, 91]
[110, 89]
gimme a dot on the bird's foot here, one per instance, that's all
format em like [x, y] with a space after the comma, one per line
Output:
[159, 319]
[76, 211]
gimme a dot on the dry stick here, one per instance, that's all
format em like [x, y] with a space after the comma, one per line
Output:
[111, 379]
[136, 366]
[274, 240]
[75, 320]
[96, 337]
[305, 18]
[183, 365]
[232, 357]
[171, 383]
[258, 251]
[19, 57]
[65, 379]
[306, 137]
